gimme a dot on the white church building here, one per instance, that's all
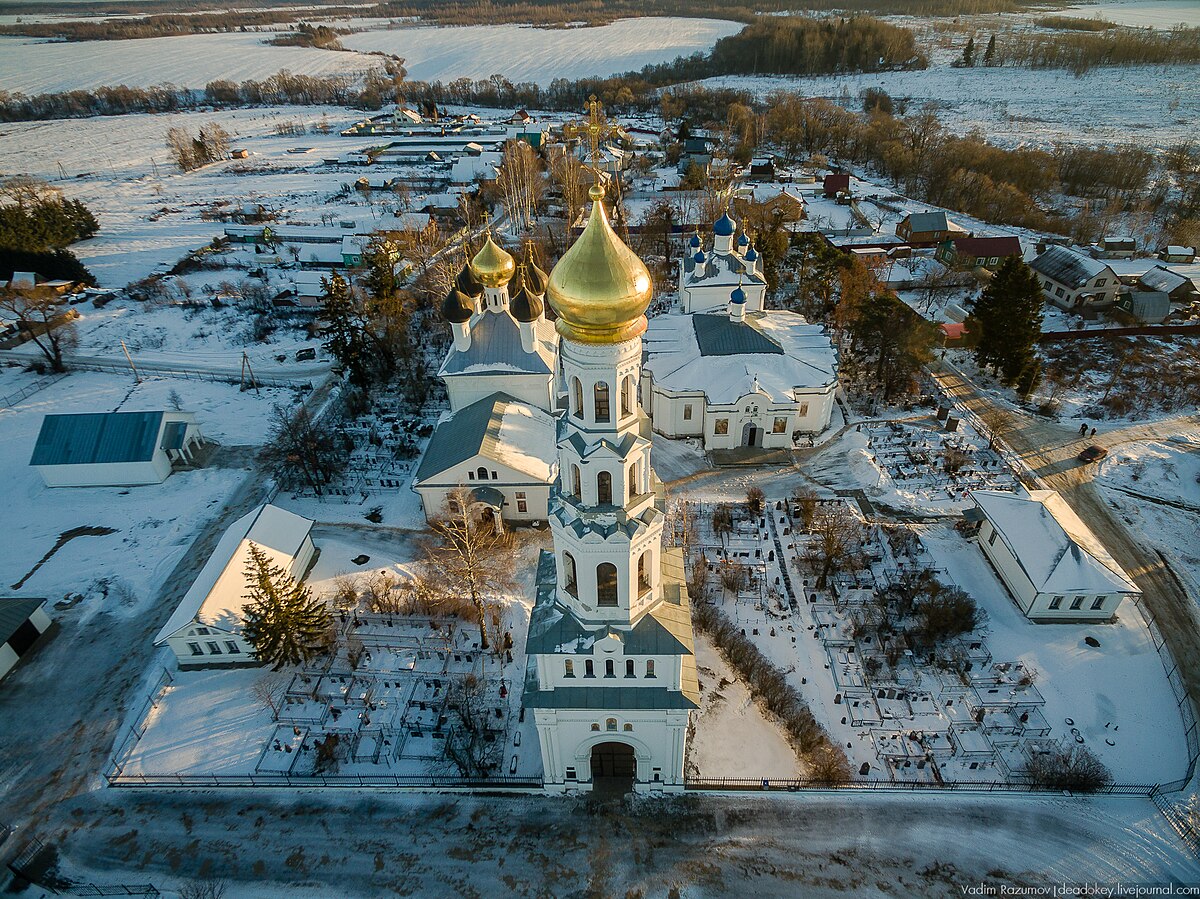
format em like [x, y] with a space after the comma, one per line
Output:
[729, 371]
[611, 674]
[501, 375]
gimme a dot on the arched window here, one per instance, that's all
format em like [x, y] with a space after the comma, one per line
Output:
[576, 488]
[610, 724]
[644, 572]
[650, 668]
[600, 402]
[604, 489]
[626, 396]
[609, 668]
[634, 485]
[595, 726]
[588, 670]
[627, 728]
[570, 583]
[570, 668]
[576, 398]
[629, 668]
[481, 473]
[606, 584]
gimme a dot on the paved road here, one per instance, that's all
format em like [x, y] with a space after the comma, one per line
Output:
[1049, 449]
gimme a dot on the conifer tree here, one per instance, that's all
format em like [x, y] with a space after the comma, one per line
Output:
[283, 622]
[989, 55]
[1008, 320]
[344, 331]
[968, 56]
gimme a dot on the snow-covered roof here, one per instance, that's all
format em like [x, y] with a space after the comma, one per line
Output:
[496, 348]
[218, 594]
[499, 428]
[1067, 267]
[1054, 548]
[773, 353]
[1162, 278]
[718, 269]
[920, 222]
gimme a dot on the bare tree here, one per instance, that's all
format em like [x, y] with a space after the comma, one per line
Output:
[755, 501]
[468, 558]
[209, 888]
[45, 316]
[521, 184]
[836, 534]
[472, 746]
[722, 521]
[805, 499]
[270, 689]
[301, 449]
[1070, 767]
[570, 176]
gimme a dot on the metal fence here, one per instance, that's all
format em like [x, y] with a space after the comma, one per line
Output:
[353, 781]
[718, 784]
[30, 389]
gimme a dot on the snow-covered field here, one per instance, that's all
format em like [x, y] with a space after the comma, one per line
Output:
[34, 66]
[1149, 105]
[524, 53]
[1162, 14]
[153, 525]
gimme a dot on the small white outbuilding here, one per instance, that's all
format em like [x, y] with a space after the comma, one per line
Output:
[113, 449]
[1053, 565]
[206, 629]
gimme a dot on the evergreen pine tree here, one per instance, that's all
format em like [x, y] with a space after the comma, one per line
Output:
[283, 622]
[1030, 377]
[343, 331]
[968, 55]
[989, 55]
[1008, 319]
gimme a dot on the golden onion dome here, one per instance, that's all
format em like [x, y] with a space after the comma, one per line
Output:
[493, 265]
[600, 288]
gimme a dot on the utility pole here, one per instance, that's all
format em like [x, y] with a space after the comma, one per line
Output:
[137, 379]
[247, 370]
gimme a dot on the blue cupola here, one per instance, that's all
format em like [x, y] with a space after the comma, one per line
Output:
[695, 241]
[724, 226]
[744, 240]
[751, 255]
[699, 257]
[738, 296]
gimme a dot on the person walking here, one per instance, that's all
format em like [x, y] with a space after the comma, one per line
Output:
[1083, 429]
[1093, 434]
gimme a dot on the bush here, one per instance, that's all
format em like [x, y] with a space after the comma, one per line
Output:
[1073, 767]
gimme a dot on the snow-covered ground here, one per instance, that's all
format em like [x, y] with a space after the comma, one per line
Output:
[1162, 14]
[152, 525]
[1149, 105]
[524, 53]
[33, 66]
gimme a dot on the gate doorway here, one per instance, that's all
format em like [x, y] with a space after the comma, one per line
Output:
[614, 768]
[751, 435]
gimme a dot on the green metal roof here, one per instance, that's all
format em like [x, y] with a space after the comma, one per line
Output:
[14, 613]
[97, 438]
[462, 436]
[607, 698]
[719, 335]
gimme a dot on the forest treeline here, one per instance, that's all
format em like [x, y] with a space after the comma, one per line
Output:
[1082, 51]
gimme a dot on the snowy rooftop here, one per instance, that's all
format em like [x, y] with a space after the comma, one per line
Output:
[1067, 267]
[496, 348]
[775, 353]
[499, 428]
[1053, 546]
[217, 596]
[1162, 278]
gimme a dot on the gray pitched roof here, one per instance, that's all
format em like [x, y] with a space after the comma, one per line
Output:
[1067, 267]
[607, 698]
[928, 221]
[14, 613]
[1162, 278]
[496, 349]
[97, 437]
[719, 335]
[475, 430]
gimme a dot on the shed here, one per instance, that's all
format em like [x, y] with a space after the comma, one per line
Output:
[1178, 288]
[1175, 253]
[23, 622]
[206, 628]
[113, 449]
[836, 183]
[1150, 306]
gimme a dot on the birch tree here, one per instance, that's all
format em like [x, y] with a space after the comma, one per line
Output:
[521, 184]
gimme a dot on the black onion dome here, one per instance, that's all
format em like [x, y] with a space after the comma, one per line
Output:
[467, 284]
[536, 279]
[526, 306]
[457, 307]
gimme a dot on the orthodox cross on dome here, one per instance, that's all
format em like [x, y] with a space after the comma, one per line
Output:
[596, 129]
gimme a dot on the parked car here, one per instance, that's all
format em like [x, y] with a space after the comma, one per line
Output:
[1092, 453]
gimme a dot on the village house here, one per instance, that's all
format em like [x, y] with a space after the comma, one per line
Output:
[1054, 567]
[836, 183]
[1146, 306]
[1118, 247]
[1176, 253]
[205, 630]
[927, 228]
[1075, 282]
[23, 623]
[113, 449]
[977, 252]
[1178, 288]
